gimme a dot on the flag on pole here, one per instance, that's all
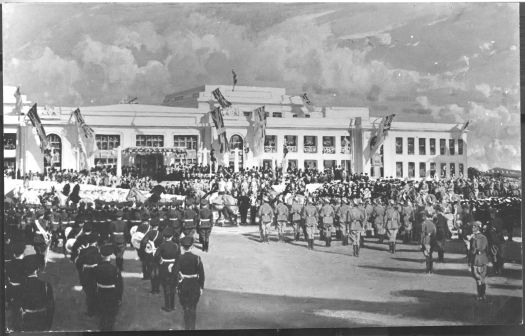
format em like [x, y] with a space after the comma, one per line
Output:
[18, 104]
[376, 140]
[465, 126]
[37, 124]
[218, 121]
[306, 100]
[220, 98]
[86, 137]
[257, 130]
[234, 79]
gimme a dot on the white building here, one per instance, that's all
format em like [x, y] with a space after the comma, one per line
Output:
[180, 131]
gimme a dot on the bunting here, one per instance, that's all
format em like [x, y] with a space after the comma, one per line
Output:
[234, 79]
[37, 124]
[218, 121]
[220, 98]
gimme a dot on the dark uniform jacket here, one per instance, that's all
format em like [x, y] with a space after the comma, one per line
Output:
[37, 298]
[190, 265]
[107, 275]
[189, 219]
[118, 231]
[442, 230]
[15, 276]
[205, 218]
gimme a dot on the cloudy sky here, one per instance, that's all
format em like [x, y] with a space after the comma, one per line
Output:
[425, 62]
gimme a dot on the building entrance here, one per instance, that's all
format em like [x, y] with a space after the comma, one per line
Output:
[149, 164]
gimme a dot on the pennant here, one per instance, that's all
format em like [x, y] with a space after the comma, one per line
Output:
[234, 79]
[37, 124]
[18, 104]
[220, 98]
[306, 100]
[465, 126]
[218, 121]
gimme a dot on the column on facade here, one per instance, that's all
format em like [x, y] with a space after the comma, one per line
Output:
[236, 160]
[119, 161]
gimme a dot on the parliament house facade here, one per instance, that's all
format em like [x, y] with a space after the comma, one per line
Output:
[180, 131]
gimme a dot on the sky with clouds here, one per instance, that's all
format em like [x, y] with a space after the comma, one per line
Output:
[448, 62]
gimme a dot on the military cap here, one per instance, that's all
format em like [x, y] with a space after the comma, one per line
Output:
[168, 232]
[119, 213]
[88, 226]
[204, 202]
[189, 201]
[19, 247]
[187, 241]
[476, 224]
[31, 263]
[106, 250]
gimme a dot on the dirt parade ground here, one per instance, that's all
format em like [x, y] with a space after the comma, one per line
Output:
[284, 285]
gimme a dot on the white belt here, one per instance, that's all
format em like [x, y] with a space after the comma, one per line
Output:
[188, 276]
[56, 223]
[205, 220]
[188, 220]
[90, 266]
[162, 260]
[24, 311]
[71, 222]
[14, 283]
[118, 233]
[173, 218]
[135, 220]
[105, 286]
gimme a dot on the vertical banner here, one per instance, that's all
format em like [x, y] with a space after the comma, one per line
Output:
[218, 121]
[86, 139]
[220, 98]
[37, 124]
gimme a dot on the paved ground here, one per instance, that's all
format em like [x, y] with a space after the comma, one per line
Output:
[254, 285]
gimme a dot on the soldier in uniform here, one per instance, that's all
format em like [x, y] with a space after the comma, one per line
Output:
[109, 289]
[134, 219]
[407, 219]
[15, 276]
[496, 241]
[442, 233]
[378, 215]
[145, 227]
[355, 218]
[479, 259]
[327, 215]
[342, 214]
[295, 212]
[152, 239]
[37, 304]
[465, 231]
[166, 256]
[205, 224]
[391, 223]
[54, 219]
[265, 219]
[310, 217]
[88, 259]
[428, 235]
[281, 213]
[368, 209]
[190, 273]
[117, 233]
[189, 218]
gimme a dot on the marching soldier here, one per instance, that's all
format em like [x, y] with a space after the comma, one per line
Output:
[190, 273]
[205, 224]
[37, 304]
[281, 212]
[442, 233]
[265, 219]
[368, 209]
[152, 239]
[189, 219]
[144, 228]
[479, 259]
[296, 210]
[378, 215]
[117, 232]
[166, 255]
[407, 218]
[391, 224]
[496, 240]
[342, 213]
[355, 219]
[109, 289]
[428, 234]
[310, 217]
[88, 259]
[327, 215]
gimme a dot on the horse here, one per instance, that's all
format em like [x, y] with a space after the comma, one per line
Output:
[136, 195]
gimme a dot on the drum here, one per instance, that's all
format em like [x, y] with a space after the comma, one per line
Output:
[67, 231]
[136, 238]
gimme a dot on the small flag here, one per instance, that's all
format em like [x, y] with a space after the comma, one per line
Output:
[388, 123]
[18, 104]
[218, 121]
[465, 126]
[234, 79]
[37, 124]
[306, 100]
[220, 98]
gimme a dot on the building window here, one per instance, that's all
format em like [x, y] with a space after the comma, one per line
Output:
[292, 164]
[247, 113]
[267, 164]
[310, 164]
[411, 169]
[107, 142]
[442, 146]
[291, 142]
[451, 146]
[432, 168]
[422, 169]
[346, 145]
[294, 115]
[329, 164]
[53, 155]
[109, 162]
[270, 144]
[149, 140]
[310, 144]
[443, 169]
[422, 146]
[461, 169]
[460, 146]
[10, 167]
[185, 141]
[307, 116]
[410, 145]
[195, 95]
[432, 146]
[399, 145]
[399, 169]
[236, 141]
[9, 141]
[452, 169]
[267, 114]
[328, 145]
[277, 115]
[177, 98]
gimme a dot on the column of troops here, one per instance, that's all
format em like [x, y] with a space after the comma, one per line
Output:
[89, 235]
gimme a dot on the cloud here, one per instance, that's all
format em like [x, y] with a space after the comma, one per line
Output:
[484, 88]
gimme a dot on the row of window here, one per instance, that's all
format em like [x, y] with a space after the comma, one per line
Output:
[310, 144]
[109, 142]
[432, 169]
[422, 145]
[310, 164]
